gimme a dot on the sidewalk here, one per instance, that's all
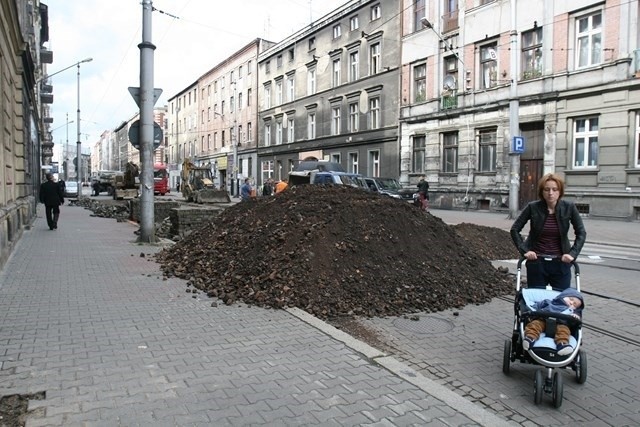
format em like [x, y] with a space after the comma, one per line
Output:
[619, 233]
[87, 318]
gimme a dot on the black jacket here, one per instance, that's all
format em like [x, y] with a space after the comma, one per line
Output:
[51, 194]
[536, 212]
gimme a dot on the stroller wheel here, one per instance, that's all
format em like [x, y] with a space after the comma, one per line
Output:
[538, 387]
[557, 390]
[506, 359]
[581, 367]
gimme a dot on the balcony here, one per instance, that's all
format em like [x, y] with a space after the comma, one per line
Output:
[449, 100]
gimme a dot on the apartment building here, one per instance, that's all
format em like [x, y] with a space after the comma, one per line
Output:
[330, 91]
[25, 137]
[562, 77]
[213, 121]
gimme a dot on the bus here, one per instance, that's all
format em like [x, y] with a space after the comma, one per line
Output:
[160, 179]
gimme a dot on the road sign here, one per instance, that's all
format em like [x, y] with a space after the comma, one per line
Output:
[135, 93]
[134, 135]
[517, 145]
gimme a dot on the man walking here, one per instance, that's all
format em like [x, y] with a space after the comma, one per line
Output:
[52, 196]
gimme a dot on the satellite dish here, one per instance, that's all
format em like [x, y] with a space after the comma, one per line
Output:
[449, 82]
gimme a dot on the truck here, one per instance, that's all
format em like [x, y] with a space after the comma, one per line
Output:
[126, 184]
[103, 181]
[197, 185]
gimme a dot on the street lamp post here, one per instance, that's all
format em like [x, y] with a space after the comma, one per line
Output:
[78, 142]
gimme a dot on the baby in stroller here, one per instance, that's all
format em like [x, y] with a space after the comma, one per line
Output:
[571, 302]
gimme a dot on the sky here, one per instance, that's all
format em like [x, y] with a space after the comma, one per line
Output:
[191, 37]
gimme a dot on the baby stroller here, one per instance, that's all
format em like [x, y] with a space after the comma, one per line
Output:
[543, 351]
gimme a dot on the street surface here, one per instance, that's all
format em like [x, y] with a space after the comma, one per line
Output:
[87, 318]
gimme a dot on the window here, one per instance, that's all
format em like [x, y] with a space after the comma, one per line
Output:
[267, 67]
[249, 97]
[231, 77]
[418, 13]
[240, 72]
[374, 59]
[353, 23]
[353, 66]
[240, 101]
[585, 143]
[419, 149]
[208, 114]
[353, 117]
[312, 43]
[374, 163]
[249, 132]
[336, 73]
[267, 170]
[375, 12]
[335, 157]
[374, 113]
[202, 144]
[450, 152]
[337, 31]
[292, 55]
[278, 133]
[353, 163]
[222, 108]
[267, 134]
[267, 96]
[311, 125]
[291, 88]
[311, 81]
[532, 54]
[450, 68]
[589, 40]
[279, 61]
[335, 121]
[232, 104]
[240, 135]
[291, 130]
[637, 140]
[487, 150]
[420, 83]
[279, 92]
[488, 66]
[224, 141]
[249, 66]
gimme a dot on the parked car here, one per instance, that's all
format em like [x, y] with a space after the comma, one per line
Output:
[71, 189]
[338, 178]
[389, 187]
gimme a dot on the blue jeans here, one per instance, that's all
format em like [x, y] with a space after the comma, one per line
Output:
[553, 272]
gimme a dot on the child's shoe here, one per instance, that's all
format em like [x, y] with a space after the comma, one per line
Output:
[527, 343]
[564, 349]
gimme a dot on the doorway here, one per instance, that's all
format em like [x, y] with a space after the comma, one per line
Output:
[531, 162]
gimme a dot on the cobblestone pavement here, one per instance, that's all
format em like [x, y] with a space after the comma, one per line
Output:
[463, 349]
[86, 318]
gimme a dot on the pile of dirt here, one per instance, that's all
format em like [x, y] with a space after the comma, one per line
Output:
[335, 251]
[488, 242]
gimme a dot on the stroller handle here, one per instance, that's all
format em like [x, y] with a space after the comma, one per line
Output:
[522, 261]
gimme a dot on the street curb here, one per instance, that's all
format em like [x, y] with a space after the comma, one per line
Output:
[452, 399]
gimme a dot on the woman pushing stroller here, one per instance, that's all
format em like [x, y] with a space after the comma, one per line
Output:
[547, 249]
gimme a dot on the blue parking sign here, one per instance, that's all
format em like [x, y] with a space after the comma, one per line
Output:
[517, 145]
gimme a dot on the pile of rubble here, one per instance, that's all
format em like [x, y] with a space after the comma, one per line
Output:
[119, 210]
[337, 251]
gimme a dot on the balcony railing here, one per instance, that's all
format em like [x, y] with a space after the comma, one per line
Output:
[449, 100]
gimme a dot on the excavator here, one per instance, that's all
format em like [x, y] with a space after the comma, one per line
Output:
[197, 185]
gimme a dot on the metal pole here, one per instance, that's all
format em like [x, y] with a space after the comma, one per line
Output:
[78, 142]
[514, 124]
[66, 152]
[147, 226]
[234, 136]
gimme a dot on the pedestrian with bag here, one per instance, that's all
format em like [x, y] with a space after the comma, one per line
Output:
[52, 196]
[423, 192]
